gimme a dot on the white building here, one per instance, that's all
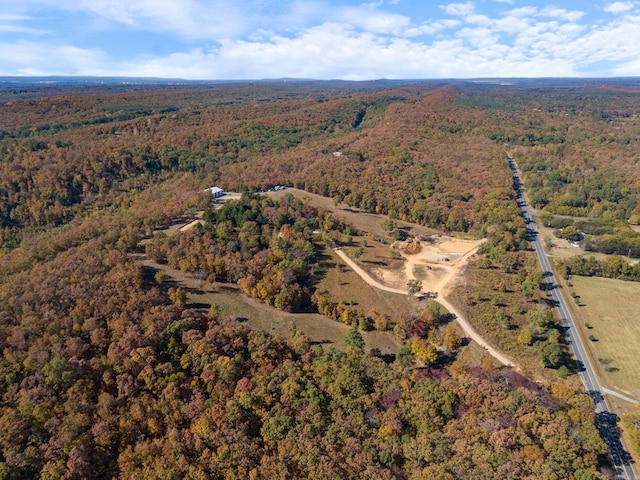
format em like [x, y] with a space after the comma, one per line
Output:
[216, 192]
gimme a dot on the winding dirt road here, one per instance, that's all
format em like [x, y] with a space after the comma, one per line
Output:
[468, 329]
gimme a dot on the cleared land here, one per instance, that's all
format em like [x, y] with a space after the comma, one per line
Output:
[343, 284]
[610, 308]
[363, 221]
[468, 329]
[320, 329]
[438, 261]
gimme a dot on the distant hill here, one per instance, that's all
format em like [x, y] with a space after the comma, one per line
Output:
[14, 87]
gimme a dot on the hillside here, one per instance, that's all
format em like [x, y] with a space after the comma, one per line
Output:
[107, 371]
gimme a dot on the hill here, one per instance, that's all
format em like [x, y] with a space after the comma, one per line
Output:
[106, 371]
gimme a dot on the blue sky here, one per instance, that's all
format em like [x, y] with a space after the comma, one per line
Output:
[323, 39]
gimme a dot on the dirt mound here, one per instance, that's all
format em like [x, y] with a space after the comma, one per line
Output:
[410, 246]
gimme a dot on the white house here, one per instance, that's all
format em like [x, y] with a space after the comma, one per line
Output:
[216, 192]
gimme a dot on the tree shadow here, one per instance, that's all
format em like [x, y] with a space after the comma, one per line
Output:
[229, 287]
[388, 358]
[375, 262]
[197, 306]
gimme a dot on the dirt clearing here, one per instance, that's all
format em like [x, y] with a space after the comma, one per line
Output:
[438, 262]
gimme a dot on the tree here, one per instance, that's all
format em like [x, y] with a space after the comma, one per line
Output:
[276, 427]
[160, 277]
[428, 316]
[389, 225]
[550, 353]
[631, 423]
[452, 338]
[457, 219]
[353, 339]
[414, 286]
[215, 311]
[177, 296]
[525, 338]
[563, 371]
[529, 287]
[404, 356]
[436, 309]
[586, 475]
[570, 233]
[423, 350]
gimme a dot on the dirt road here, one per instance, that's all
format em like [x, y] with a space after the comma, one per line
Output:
[366, 277]
[468, 329]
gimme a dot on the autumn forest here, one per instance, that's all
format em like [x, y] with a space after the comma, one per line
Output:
[109, 369]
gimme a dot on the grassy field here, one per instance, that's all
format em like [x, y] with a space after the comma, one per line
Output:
[363, 221]
[479, 300]
[610, 308]
[259, 316]
[342, 283]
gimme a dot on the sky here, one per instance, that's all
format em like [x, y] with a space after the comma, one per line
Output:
[320, 39]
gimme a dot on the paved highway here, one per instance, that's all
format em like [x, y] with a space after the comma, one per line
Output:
[605, 419]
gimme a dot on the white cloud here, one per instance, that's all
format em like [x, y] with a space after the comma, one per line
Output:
[191, 19]
[523, 12]
[29, 58]
[17, 29]
[333, 51]
[187, 18]
[458, 8]
[478, 19]
[618, 7]
[430, 28]
[625, 69]
[300, 38]
[613, 42]
[228, 19]
[373, 21]
[12, 23]
[561, 13]
[450, 23]
[481, 38]
[512, 24]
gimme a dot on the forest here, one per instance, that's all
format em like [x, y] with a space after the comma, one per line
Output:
[106, 372]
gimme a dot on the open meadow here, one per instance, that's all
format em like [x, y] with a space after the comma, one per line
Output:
[609, 315]
[360, 219]
[259, 316]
